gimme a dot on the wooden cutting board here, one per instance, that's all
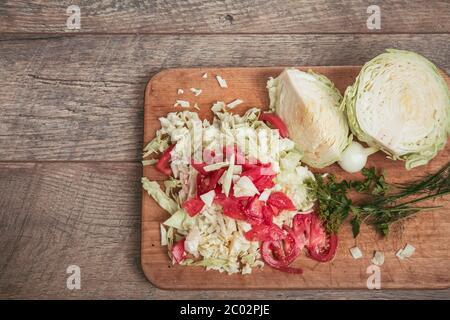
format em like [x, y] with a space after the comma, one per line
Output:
[429, 267]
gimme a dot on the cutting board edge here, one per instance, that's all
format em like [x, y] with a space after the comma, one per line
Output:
[162, 285]
[182, 287]
[162, 72]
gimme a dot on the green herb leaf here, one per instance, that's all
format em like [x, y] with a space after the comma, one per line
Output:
[387, 203]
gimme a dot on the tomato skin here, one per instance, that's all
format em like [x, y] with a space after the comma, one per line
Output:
[163, 162]
[281, 201]
[276, 122]
[178, 252]
[279, 257]
[193, 206]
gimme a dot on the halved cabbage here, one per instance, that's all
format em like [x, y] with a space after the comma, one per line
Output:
[309, 105]
[401, 105]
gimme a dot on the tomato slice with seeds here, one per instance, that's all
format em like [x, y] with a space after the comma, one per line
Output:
[301, 225]
[320, 245]
[325, 253]
[281, 253]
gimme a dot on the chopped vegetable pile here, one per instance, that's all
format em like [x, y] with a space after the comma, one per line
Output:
[236, 192]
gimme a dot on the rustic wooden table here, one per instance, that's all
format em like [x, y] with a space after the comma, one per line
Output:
[71, 107]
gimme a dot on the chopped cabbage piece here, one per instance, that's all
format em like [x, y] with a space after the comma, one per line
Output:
[196, 92]
[182, 103]
[208, 197]
[163, 232]
[221, 81]
[244, 187]
[154, 190]
[356, 253]
[234, 103]
[176, 220]
[378, 258]
[192, 241]
[228, 176]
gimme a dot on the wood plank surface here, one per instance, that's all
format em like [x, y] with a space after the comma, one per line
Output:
[81, 97]
[53, 215]
[216, 16]
[78, 96]
[429, 231]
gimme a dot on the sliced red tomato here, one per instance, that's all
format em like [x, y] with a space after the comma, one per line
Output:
[208, 182]
[231, 208]
[320, 245]
[264, 182]
[267, 215]
[163, 163]
[326, 250]
[193, 206]
[281, 201]
[301, 225]
[275, 122]
[279, 254]
[178, 252]
[253, 211]
[199, 167]
[259, 171]
[248, 165]
[317, 234]
[215, 177]
[243, 201]
[219, 193]
[292, 245]
[274, 209]
[265, 232]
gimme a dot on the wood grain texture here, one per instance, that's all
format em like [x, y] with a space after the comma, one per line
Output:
[206, 16]
[81, 97]
[429, 231]
[67, 97]
[56, 214]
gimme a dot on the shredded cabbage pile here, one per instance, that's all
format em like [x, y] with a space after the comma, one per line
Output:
[213, 240]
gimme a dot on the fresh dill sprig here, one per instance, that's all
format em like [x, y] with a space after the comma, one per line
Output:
[387, 203]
